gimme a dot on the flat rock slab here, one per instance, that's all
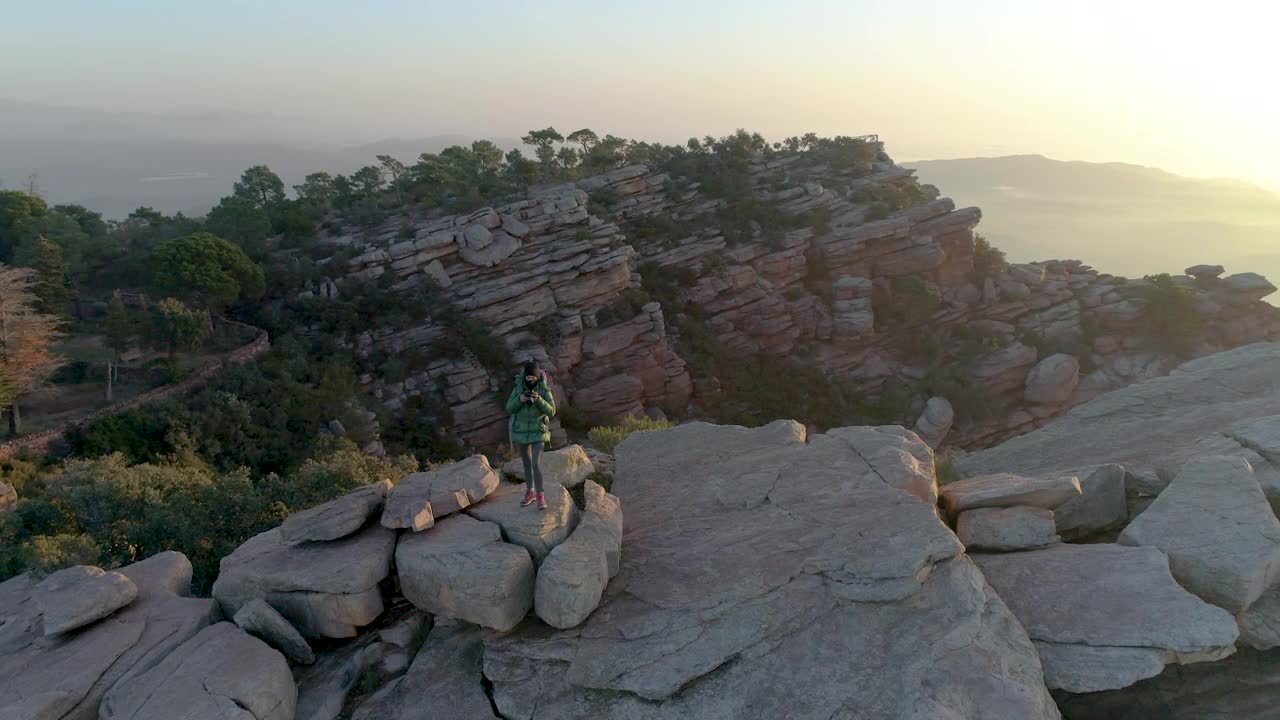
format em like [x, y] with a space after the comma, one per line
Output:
[1154, 423]
[445, 677]
[1222, 539]
[462, 569]
[221, 673]
[535, 530]
[1106, 616]
[336, 518]
[1101, 505]
[1261, 435]
[422, 498]
[1244, 685]
[1005, 529]
[1007, 490]
[573, 577]
[768, 574]
[568, 466]
[79, 595]
[899, 456]
[66, 676]
[258, 618]
[325, 589]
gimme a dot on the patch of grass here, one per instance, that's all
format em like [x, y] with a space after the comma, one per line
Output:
[945, 467]
[605, 438]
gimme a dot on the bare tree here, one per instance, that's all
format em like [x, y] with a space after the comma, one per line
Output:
[26, 338]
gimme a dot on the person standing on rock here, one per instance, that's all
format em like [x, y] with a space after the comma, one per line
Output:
[531, 407]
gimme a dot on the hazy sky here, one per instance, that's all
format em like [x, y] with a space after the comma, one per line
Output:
[1189, 87]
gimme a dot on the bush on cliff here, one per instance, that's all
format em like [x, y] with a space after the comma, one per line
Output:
[1170, 321]
[107, 511]
[606, 438]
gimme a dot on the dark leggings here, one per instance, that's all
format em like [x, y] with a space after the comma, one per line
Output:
[531, 454]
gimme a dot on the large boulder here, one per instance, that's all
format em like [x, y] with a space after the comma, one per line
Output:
[1008, 490]
[1052, 380]
[573, 577]
[1261, 435]
[1260, 624]
[1215, 525]
[1152, 424]
[423, 497]
[1248, 286]
[1100, 506]
[1106, 616]
[535, 530]
[222, 673]
[326, 589]
[258, 618]
[935, 421]
[767, 576]
[65, 676]
[336, 518]
[76, 596]
[443, 682]
[462, 569]
[568, 466]
[1003, 529]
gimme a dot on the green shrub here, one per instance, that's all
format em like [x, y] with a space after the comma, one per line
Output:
[945, 468]
[1170, 321]
[626, 307]
[988, 260]
[606, 438]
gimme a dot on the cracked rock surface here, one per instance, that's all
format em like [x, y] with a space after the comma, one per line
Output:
[1105, 616]
[222, 673]
[767, 576]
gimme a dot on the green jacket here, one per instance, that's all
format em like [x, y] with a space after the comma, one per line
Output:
[531, 422]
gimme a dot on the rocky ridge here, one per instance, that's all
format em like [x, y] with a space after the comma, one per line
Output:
[761, 572]
[577, 276]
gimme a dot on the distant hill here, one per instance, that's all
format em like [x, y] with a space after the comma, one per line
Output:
[1124, 219]
[115, 162]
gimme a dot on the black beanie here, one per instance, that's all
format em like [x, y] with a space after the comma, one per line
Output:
[531, 368]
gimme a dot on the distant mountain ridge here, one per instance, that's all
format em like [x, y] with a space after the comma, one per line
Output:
[1130, 219]
[180, 162]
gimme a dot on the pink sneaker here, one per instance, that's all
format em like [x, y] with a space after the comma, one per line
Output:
[528, 498]
[542, 501]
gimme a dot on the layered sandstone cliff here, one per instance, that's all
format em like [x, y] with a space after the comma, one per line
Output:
[600, 278]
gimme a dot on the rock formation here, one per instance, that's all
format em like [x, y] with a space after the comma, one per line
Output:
[602, 279]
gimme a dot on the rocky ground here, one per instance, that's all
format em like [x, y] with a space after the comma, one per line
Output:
[765, 572]
[604, 280]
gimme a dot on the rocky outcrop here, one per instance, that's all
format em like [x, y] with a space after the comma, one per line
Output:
[1155, 425]
[567, 466]
[336, 518]
[77, 596]
[66, 677]
[935, 421]
[791, 580]
[222, 672]
[258, 618]
[573, 577]
[462, 569]
[1105, 616]
[326, 589]
[1101, 505]
[422, 497]
[1221, 537]
[538, 531]
[578, 285]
